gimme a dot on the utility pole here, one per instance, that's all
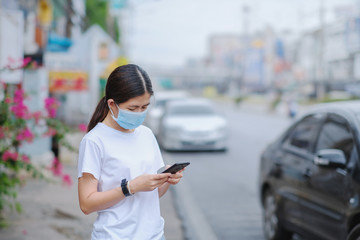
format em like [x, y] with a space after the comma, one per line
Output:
[69, 13]
[246, 40]
[320, 73]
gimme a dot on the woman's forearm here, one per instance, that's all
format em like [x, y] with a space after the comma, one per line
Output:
[163, 189]
[96, 201]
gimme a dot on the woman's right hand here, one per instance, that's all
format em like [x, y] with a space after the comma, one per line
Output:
[147, 182]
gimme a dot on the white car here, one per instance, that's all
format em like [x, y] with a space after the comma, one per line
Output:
[192, 124]
[156, 109]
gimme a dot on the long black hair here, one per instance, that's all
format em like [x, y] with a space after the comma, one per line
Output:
[125, 82]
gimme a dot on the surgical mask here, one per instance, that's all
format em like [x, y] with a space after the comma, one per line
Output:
[128, 119]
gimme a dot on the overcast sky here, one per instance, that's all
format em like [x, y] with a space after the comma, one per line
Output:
[167, 32]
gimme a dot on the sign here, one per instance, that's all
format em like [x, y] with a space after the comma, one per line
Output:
[112, 65]
[65, 81]
[44, 13]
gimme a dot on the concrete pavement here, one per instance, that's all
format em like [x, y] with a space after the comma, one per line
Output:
[51, 210]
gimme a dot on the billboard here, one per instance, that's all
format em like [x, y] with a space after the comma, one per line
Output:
[65, 81]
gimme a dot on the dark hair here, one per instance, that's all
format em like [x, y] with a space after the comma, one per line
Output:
[124, 83]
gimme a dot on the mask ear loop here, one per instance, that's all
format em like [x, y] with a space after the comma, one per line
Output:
[111, 111]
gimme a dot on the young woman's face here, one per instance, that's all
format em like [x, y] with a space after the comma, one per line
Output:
[136, 104]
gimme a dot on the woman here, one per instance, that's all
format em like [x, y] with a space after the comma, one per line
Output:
[118, 162]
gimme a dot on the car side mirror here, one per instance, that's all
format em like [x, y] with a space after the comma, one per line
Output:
[330, 158]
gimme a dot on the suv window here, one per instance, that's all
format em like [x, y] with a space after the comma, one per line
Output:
[336, 135]
[303, 133]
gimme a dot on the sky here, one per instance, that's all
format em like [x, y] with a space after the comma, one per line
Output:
[169, 32]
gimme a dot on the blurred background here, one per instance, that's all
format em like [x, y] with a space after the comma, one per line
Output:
[239, 71]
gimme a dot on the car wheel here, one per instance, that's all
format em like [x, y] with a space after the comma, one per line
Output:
[354, 233]
[272, 228]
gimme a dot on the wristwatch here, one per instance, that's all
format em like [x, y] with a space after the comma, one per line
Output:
[124, 188]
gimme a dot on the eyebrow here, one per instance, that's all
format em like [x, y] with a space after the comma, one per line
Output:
[140, 106]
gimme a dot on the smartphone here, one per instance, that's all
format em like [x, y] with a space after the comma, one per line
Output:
[176, 167]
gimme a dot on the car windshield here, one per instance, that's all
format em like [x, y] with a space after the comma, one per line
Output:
[160, 103]
[191, 110]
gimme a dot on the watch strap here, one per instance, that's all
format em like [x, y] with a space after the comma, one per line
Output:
[124, 188]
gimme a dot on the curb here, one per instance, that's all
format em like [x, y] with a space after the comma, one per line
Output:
[193, 220]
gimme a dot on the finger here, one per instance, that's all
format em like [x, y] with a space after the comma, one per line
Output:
[177, 175]
[173, 181]
[160, 181]
[161, 176]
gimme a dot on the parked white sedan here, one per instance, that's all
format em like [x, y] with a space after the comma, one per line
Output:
[156, 110]
[192, 124]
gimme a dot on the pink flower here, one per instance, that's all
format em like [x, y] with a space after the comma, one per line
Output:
[2, 132]
[9, 155]
[19, 108]
[11, 60]
[26, 135]
[50, 132]
[26, 61]
[20, 111]
[19, 96]
[37, 115]
[24, 232]
[82, 127]
[8, 100]
[66, 179]
[25, 159]
[51, 105]
[56, 167]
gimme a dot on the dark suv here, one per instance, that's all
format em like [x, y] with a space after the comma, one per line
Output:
[309, 178]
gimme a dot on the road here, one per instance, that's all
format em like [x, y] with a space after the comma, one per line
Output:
[223, 185]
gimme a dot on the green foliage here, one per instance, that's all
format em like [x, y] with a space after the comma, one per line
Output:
[96, 13]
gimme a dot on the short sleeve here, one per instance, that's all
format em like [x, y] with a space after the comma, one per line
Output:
[158, 157]
[89, 158]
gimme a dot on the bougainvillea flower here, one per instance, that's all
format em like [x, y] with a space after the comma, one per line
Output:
[20, 111]
[37, 116]
[25, 159]
[9, 155]
[50, 132]
[26, 135]
[26, 61]
[56, 167]
[8, 100]
[66, 179]
[82, 127]
[51, 105]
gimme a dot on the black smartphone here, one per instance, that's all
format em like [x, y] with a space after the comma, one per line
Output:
[176, 167]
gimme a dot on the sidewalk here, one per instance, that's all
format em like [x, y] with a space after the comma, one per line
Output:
[51, 211]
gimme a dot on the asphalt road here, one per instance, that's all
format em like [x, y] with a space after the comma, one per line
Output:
[222, 186]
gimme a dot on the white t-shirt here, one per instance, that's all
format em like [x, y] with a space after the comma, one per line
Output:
[110, 156]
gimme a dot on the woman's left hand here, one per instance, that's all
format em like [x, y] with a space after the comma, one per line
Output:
[175, 178]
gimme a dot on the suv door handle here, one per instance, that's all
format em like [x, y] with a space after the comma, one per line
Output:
[307, 173]
[278, 163]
